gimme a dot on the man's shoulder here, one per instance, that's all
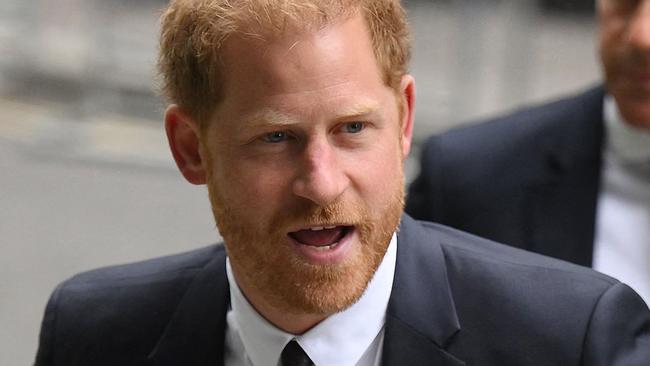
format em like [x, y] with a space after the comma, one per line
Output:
[475, 257]
[511, 300]
[534, 118]
[518, 149]
[135, 284]
[160, 269]
[524, 128]
[119, 310]
[528, 289]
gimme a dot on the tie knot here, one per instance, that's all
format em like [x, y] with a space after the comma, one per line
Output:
[294, 355]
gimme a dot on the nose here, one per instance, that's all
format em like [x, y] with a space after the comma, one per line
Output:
[639, 28]
[320, 177]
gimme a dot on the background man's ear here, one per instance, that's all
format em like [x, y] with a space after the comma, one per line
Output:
[407, 88]
[183, 136]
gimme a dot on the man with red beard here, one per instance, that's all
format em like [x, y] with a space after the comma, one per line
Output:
[298, 115]
[569, 179]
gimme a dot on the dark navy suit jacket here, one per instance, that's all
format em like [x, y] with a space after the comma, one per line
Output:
[528, 179]
[456, 300]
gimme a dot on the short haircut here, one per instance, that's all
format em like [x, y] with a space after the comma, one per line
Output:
[193, 32]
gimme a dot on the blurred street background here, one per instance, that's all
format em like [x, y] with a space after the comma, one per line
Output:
[86, 179]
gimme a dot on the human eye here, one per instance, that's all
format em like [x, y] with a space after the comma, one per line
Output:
[275, 137]
[353, 127]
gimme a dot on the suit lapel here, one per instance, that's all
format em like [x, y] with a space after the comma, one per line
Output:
[195, 334]
[563, 200]
[421, 320]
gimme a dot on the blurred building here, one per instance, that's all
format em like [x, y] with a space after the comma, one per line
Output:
[472, 57]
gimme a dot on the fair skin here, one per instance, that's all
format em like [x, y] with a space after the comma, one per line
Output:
[625, 55]
[307, 123]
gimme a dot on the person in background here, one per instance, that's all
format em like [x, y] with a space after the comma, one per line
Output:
[569, 179]
[298, 116]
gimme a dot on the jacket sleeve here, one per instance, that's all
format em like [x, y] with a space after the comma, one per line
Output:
[45, 353]
[619, 330]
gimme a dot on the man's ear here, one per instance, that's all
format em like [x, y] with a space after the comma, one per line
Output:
[407, 93]
[183, 136]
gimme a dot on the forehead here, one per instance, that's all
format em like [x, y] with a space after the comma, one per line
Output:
[335, 61]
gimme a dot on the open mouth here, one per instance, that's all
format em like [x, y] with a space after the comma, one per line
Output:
[321, 237]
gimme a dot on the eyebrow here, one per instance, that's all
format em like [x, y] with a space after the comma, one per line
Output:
[272, 117]
[361, 109]
[268, 117]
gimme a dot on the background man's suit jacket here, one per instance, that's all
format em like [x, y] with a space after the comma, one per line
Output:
[456, 299]
[529, 179]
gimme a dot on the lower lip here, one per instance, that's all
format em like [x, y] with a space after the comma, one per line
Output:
[328, 256]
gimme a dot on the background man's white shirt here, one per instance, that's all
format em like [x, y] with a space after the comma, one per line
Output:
[622, 244]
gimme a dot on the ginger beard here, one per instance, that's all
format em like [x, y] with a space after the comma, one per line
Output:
[264, 256]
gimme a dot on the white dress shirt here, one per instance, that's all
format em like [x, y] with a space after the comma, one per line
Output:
[352, 337]
[622, 244]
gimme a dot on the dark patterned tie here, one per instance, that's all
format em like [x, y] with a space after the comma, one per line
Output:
[293, 355]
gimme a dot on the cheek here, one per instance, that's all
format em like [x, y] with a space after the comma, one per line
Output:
[380, 173]
[250, 187]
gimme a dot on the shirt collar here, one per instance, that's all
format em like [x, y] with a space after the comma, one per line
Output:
[341, 339]
[625, 141]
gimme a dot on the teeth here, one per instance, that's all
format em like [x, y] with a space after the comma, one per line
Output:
[325, 247]
[319, 228]
[320, 249]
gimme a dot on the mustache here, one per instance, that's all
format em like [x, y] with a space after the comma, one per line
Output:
[309, 214]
